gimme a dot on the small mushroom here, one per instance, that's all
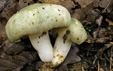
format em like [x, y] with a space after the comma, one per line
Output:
[35, 20]
[66, 35]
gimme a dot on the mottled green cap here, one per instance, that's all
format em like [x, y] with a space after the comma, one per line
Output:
[37, 18]
[75, 32]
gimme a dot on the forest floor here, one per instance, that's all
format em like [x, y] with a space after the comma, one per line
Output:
[95, 54]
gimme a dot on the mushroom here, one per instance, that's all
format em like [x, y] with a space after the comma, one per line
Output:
[35, 20]
[66, 35]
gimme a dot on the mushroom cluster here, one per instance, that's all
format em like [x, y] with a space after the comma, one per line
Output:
[35, 20]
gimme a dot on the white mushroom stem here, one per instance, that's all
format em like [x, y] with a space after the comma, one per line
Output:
[41, 43]
[61, 49]
[75, 32]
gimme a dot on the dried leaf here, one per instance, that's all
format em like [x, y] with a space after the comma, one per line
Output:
[109, 21]
[9, 9]
[89, 39]
[17, 69]
[107, 4]
[2, 4]
[109, 15]
[95, 3]
[99, 20]
[24, 3]
[66, 3]
[15, 47]
[49, 1]
[87, 10]
[95, 34]
[81, 13]
[28, 68]
[102, 32]
[103, 3]
[32, 66]
[3, 35]
[8, 62]
[80, 66]
[2, 29]
[2, 32]
[101, 69]
[102, 40]
[84, 3]
[38, 64]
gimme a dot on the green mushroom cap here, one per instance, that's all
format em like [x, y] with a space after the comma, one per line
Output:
[75, 32]
[37, 18]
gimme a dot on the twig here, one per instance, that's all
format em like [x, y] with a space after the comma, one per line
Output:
[101, 51]
[106, 57]
[83, 69]
[106, 6]
[111, 59]
[98, 66]
[88, 61]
